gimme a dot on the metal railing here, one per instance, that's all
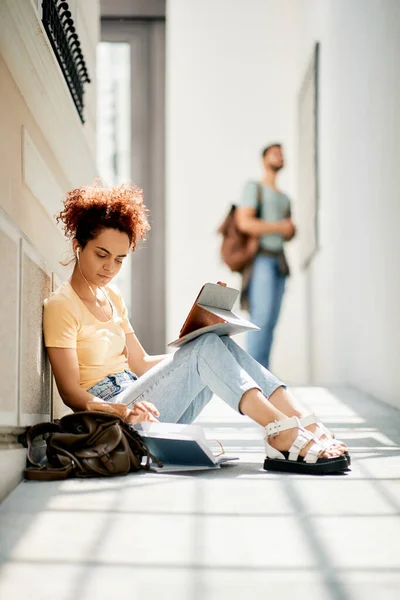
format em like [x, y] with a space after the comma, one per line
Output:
[59, 25]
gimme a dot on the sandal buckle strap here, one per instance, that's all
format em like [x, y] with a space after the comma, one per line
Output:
[309, 420]
[303, 438]
[314, 452]
[275, 427]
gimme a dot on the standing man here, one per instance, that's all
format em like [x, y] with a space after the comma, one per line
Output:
[270, 269]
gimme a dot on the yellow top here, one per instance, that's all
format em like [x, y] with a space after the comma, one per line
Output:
[68, 323]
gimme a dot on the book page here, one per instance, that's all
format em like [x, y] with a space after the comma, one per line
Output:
[218, 328]
[177, 468]
[227, 315]
[212, 313]
[180, 447]
[174, 430]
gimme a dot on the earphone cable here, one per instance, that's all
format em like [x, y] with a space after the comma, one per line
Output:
[94, 295]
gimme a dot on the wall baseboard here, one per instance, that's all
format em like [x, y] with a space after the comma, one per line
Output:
[12, 463]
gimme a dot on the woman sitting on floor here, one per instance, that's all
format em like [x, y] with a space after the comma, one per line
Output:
[96, 356]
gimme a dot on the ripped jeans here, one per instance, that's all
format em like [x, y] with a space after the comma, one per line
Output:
[182, 384]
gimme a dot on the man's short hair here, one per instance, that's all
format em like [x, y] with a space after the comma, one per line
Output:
[276, 145]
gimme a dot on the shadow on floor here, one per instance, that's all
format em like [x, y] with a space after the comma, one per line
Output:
[310, 535]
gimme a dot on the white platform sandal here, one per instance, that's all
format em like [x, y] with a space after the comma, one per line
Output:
[320, 431]
[291, 461]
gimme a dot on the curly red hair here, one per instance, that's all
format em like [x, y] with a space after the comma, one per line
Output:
[90, 209]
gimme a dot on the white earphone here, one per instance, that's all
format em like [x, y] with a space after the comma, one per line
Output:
[78, 251]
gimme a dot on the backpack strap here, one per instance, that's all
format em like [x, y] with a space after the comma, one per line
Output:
[138, 441]
[33, 432]
[40, 472]
[259, 208]
[48, 473]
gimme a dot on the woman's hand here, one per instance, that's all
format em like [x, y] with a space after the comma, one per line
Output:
[142, 411]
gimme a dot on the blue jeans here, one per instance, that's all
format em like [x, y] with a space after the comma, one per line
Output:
[266, 291]
[183, 383]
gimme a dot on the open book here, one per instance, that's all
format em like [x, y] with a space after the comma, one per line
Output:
[180, 447]
[212, 312]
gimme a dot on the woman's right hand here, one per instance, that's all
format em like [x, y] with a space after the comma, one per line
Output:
[142, 411]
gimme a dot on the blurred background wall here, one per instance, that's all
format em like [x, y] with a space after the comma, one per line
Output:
[355, 287]
[233, 75]
[232, 81]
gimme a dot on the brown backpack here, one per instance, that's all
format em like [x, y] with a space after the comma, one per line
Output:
[85, 444]
[238, 249]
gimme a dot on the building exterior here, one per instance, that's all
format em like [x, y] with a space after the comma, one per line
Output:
[45, 149]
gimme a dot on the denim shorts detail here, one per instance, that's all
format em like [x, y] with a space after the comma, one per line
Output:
[112, 385]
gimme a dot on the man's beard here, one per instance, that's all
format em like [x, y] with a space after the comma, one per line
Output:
[276, 168]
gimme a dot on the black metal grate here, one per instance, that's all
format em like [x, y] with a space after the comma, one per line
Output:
[59, 25]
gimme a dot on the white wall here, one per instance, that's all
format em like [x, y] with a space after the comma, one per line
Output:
[355, 277]
[234, 71]
[231, 88]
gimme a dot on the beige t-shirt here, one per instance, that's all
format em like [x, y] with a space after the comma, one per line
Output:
[68, 323]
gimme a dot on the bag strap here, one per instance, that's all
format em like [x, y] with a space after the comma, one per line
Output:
[259, 201]
[32, 434]
[137, 440]
[48, 473]
[37, 471]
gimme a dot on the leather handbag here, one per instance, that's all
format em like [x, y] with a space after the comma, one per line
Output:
[85, 444]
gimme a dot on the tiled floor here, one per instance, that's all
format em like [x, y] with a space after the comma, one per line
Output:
[229, 534]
